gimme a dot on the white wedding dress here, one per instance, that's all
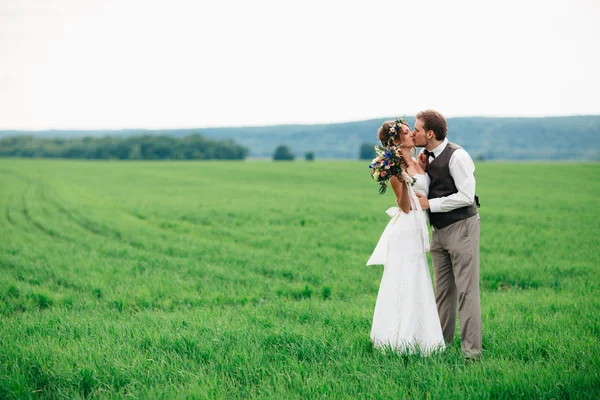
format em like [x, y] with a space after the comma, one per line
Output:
[406, 317]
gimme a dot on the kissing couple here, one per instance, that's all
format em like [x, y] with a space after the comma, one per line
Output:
[439, 186]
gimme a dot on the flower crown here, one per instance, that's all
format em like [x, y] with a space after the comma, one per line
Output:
[395, 129]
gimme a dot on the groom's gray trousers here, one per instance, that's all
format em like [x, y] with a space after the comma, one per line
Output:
[455, 255]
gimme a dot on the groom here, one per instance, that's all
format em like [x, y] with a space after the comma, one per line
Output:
[452, 206]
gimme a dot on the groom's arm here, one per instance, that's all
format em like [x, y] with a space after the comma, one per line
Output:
[462, 171]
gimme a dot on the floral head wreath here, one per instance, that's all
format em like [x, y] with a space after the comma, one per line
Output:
[395, 129]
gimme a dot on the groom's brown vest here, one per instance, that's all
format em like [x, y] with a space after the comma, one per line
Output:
[442, 185]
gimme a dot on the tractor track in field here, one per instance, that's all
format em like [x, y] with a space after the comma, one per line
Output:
[84, 223]
[80, 221]
[33, 222]
[100, 230]
[7, 211]
[96, 229]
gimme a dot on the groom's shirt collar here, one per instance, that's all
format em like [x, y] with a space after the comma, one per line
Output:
[441, 147]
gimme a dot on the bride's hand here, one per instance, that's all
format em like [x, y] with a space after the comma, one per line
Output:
[423, 161]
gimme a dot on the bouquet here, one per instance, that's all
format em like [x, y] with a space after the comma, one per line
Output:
[389, 162]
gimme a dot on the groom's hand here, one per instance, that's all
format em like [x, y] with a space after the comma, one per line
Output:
[423, 201]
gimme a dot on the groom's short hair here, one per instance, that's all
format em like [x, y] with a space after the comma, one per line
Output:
[434, 121]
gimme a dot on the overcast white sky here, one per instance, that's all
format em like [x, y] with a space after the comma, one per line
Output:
[103, 64]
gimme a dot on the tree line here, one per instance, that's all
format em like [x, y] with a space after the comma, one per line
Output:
[146, 147]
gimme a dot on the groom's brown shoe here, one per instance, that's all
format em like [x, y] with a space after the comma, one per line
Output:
[473, 355]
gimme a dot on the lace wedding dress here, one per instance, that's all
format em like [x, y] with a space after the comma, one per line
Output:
[406, 317]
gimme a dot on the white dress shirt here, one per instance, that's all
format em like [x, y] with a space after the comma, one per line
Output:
[462, 171]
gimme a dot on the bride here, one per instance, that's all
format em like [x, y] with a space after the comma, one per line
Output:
[406, 317]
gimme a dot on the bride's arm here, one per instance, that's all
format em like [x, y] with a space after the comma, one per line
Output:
[402, 198]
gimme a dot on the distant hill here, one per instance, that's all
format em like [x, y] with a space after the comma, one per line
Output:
[548, 138]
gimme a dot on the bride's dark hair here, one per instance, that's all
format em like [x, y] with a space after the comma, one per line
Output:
[383, 134]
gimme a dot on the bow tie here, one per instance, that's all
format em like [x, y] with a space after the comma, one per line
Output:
[429, 153]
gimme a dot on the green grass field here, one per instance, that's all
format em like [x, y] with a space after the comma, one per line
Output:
[248, 279]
